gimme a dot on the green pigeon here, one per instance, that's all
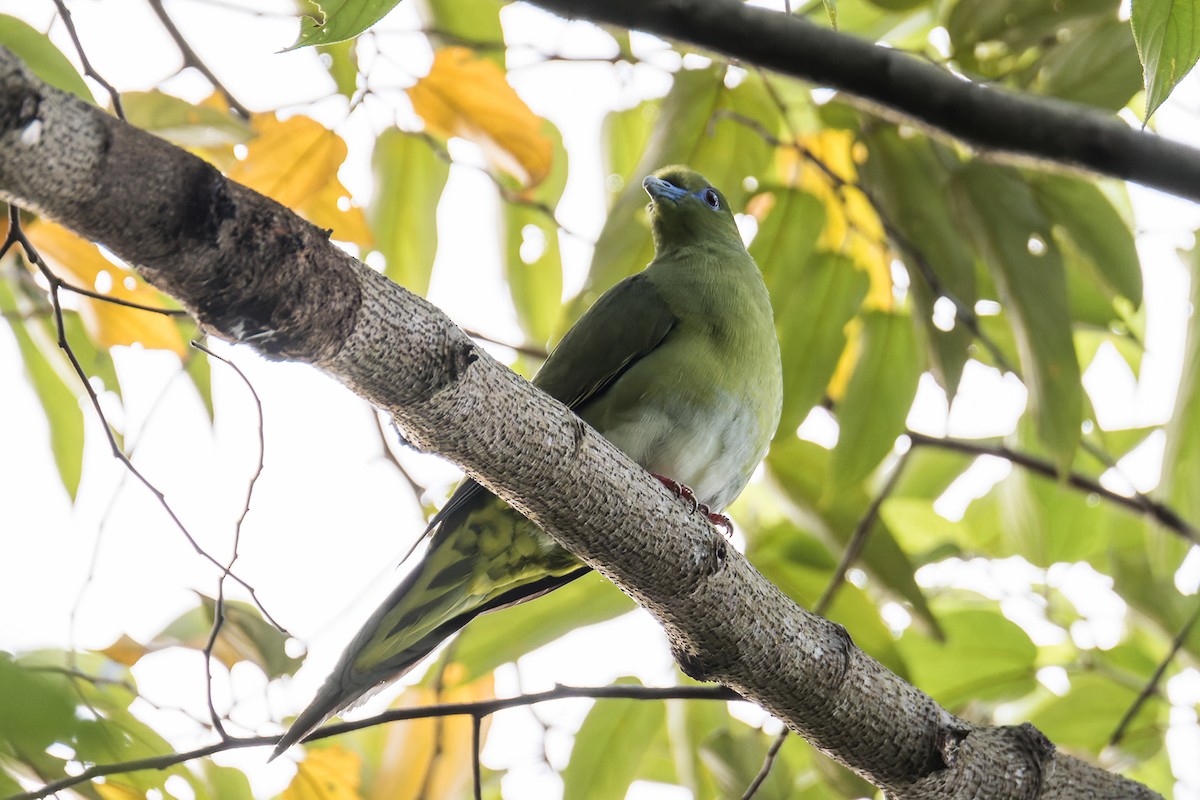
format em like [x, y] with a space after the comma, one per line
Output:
[678, 366]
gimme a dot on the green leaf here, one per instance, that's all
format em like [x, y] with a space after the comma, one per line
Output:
[878, 397]
[908, 176]
[181, 122]
[999, 213]
[984, 657]
[920, 529]
[624, 134]
[409, 178]
[1086, 716]
[1100, 232]
[532, 259]
[35, 710]
[801, 469]
[330, 21]
[1181, 459]
[812, 331]
[1167, 33]
[831, 11]
[507, 635]
[610, 746]
[341, 62]
[1093, 61]
[50, 375]
[41, 56]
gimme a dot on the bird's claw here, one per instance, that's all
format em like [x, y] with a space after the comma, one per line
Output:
[717, 520]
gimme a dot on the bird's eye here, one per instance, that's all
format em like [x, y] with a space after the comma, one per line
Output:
[711, 197]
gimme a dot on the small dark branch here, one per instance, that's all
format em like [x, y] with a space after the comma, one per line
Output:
[482, 708]
[88, 69]
[385, 438]
[207, 652]
[523, 349]
[1160, 512]
[998, 121]
[476, 768]
[190, 59]
[117, 301]
[55, 287]
[858, 539]
[768, 763]
[1151, 686]
[219, 609]
[486, 707]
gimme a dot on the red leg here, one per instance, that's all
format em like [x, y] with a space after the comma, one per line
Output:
[717, 520]
[679, 489]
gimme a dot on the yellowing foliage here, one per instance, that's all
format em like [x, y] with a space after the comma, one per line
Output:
[851, 225]
[81, 264]
[327, 773]
[469, 97]
[295, 162]
[430, 758]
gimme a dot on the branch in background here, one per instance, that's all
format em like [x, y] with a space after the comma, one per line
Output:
[88, 69]
[190, 59]
[1160, 512]
[477, 709]
[987, 118]
[1152, 685]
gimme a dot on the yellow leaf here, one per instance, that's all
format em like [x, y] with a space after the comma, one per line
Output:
[117, 791]
[846, 362]
[469, 97]
[126, 650]
[851, 225]
[430, 758]
[296, 162]
[81, 264]
[327, 773]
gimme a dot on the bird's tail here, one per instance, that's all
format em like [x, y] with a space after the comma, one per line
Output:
[431, 604]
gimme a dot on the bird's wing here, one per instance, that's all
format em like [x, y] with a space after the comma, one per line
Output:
[625, 324]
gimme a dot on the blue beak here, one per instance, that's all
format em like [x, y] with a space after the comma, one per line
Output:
[658, 189]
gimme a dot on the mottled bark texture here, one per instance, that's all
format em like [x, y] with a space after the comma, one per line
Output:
[252, 272]
[1048, 131]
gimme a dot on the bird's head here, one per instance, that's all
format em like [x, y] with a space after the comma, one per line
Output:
[686, 209]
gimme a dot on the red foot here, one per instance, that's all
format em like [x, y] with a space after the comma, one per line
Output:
[680, 490]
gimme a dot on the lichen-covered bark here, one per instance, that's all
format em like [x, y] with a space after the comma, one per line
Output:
[252, 272]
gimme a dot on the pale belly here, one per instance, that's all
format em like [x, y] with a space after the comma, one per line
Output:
[713, 451]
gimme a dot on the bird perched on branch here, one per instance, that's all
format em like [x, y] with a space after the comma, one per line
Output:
[678, 366]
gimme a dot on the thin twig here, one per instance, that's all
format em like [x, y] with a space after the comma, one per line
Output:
[476, 767]
[1160, 512]
[858, 539]
[191, 59]
[523, 349]
[1152, 685]
[768, 763]
[55, 287]
[480, 708]
[385, 438]
[88, 69]
[117, 301]
[219, 606]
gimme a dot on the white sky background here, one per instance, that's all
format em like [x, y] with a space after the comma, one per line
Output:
[330, 517]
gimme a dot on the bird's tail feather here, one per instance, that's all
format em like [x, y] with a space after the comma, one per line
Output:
[344, 687]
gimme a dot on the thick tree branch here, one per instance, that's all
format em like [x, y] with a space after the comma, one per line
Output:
[250, 271]
[987, 118]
